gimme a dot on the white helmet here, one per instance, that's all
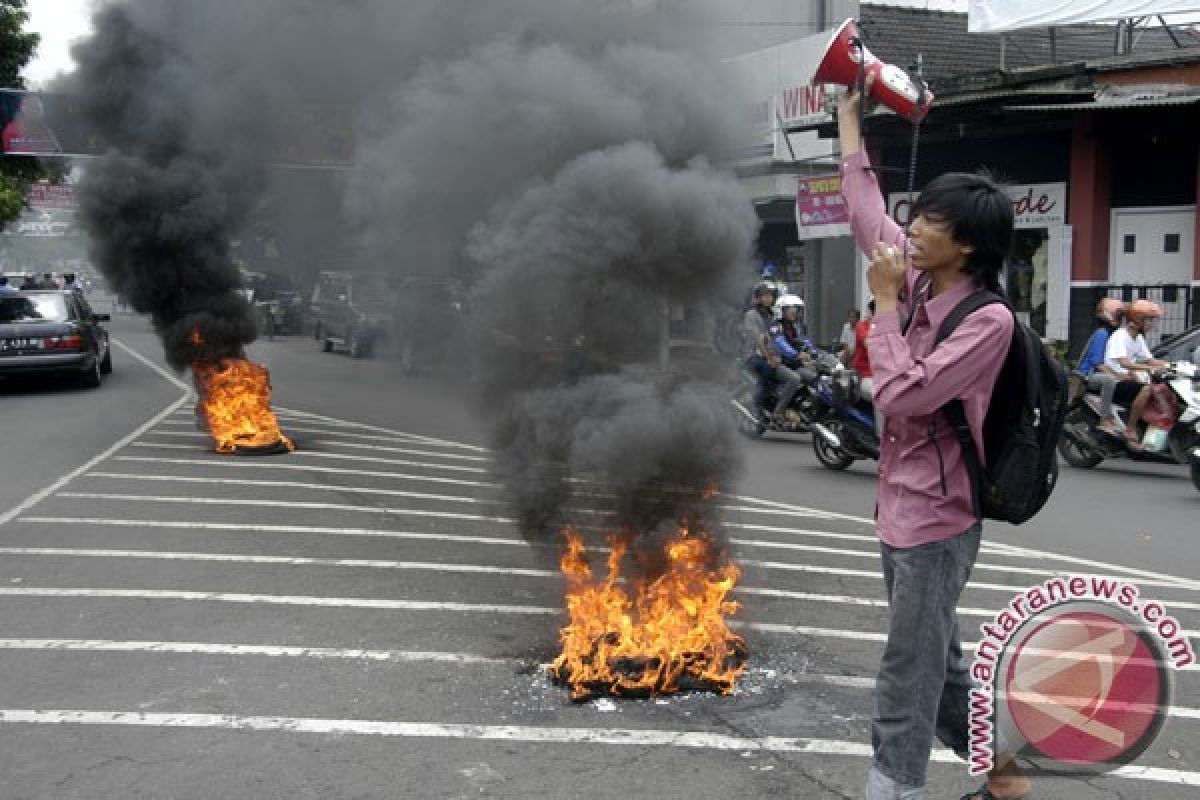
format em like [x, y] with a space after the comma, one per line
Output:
[785, 301]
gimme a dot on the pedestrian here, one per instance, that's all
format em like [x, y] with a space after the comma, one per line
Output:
[846, 338]
[5, 288]
[48, 281]
[29, 283]
[926, 518]
[70, 283]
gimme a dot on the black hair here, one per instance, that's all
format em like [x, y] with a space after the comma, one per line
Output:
[871, 305]
[979, 214]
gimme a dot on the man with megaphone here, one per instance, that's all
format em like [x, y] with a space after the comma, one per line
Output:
[926, 520]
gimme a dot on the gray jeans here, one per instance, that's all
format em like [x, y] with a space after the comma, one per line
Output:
[1105, 384]
[923, 684]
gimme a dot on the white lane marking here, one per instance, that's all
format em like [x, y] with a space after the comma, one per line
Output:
[385, 449]
[240, 501]
[1010, 589]
[258, 466]
[435, 566]
[987, 546]
[803, 511]
[300, 454]
[293, 529]
[412, 605]
[327, 431]
[272, 651]
[1145, 576]
[293, 561]
[517, 542]
[1005, 568]
[312, 487]
[702, 740]
[62, 481]
[277, 600]
[392, 431]
[242, 558]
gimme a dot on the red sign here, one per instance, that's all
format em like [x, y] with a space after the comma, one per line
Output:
[820, 208]
[47, 196]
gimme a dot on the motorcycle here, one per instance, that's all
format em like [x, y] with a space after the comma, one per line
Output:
[1083, 445]
[798, 417]
[845, 430]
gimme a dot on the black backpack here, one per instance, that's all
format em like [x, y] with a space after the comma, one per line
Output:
[1024, 420]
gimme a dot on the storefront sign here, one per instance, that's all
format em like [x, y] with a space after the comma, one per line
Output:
[1035, 205]
[820, 208]
[45, 196]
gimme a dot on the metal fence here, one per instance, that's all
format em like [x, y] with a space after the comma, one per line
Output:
[1179, 312]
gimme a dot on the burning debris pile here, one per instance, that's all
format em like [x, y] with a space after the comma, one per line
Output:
[652, 635]
[235, 404]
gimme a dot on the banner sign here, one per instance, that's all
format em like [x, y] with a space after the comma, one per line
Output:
[820, 208]
[1035, 205]
[45, 196]
[995, 16]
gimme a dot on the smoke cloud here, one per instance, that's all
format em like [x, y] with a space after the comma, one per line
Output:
[556, 156]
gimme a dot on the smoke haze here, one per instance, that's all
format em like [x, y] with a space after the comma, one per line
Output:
[554, 155]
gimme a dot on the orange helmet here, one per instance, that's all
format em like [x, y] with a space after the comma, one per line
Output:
[1141, 310]
[1110, 310]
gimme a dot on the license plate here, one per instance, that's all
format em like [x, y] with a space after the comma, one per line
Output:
[20, 344]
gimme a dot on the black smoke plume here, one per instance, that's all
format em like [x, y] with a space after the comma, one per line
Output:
[559, 157]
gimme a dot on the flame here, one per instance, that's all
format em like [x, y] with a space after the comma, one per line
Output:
[235, 399]
[667, 633]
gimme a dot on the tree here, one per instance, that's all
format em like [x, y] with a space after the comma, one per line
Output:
[16, 49]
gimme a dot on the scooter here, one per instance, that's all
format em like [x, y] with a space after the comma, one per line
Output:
[1084, 445]
[845, 431]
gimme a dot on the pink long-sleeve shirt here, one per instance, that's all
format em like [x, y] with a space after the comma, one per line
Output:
[924, 488]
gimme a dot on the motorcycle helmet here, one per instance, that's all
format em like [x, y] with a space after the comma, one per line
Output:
[768, 271]
[785, 302]
[1110, 309]
[764, 288]
[1141, 310]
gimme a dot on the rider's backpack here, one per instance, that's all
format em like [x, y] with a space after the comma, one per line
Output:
[1024, 420]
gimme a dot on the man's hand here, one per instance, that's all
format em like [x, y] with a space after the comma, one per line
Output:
[886, 276]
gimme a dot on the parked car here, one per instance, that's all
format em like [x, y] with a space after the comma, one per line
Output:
[352, 311]
[1181, 347]
[52, 331]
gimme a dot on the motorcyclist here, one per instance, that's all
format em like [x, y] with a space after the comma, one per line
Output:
[789, 335]
[763, 356]
[1109, 314]
[1130, 358]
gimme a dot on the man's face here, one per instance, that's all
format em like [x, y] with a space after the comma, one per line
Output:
[934, 248]
[766, 299]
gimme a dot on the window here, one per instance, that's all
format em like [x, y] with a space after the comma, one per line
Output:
[1130, 245]
[1171, 243]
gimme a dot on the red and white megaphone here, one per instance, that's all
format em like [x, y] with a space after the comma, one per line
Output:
[845, 55]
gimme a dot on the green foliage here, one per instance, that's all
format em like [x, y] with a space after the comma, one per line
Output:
[16, 49]
[16, 45]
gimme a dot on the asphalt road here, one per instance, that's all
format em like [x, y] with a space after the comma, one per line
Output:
[360, 619]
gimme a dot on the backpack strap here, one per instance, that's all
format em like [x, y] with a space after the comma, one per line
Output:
[954, 411]
[920, 287]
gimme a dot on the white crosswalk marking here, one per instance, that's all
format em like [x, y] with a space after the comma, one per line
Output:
[440, 548]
